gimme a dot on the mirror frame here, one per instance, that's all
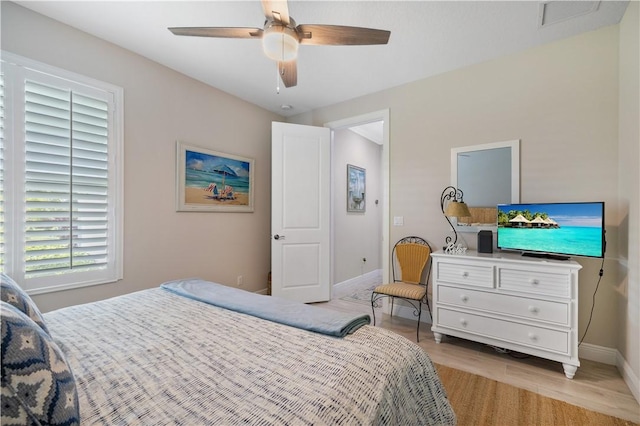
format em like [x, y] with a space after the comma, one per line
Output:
[515, 175]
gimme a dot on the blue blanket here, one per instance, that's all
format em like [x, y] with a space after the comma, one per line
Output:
[270, 308]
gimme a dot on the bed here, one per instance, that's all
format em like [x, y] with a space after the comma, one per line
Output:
[156, 357]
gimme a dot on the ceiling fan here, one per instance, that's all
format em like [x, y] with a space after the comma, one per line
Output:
[281, 36]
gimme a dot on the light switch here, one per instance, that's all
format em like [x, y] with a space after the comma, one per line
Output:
[398, 220]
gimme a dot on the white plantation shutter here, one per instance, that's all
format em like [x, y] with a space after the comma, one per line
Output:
[66, 180]
[68, 229]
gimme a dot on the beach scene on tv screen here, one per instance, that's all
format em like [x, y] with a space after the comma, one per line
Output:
[572, 229]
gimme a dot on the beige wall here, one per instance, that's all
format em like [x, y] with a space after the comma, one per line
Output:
[628, 285]
[560, 100]
[162, 106]
[356, 235]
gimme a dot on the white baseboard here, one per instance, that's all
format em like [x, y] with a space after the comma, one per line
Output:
[628, 375]
[612, 356]
[598, 353]
[406, 311]
[343, 288]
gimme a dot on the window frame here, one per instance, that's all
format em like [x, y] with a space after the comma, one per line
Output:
[16, 69]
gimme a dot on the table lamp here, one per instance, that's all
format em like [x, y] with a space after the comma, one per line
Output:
[455, 207]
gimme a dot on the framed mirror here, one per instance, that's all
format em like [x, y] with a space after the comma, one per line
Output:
[488, 175]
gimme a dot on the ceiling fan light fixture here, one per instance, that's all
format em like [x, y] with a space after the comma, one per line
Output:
[280, 43]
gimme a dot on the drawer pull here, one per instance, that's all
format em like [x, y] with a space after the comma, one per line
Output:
[464, 298]
[465, 274]
[533, 309]
[533, 337]
[534, 281]
[463, 322]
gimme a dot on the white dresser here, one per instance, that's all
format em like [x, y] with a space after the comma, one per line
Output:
[505, 300]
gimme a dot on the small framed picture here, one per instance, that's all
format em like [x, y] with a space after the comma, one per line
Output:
[211, 181]
[356, 189]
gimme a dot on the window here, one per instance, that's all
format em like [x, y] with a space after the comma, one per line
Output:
[61, 178]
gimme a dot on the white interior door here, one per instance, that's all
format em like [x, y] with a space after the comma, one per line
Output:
[300, 212]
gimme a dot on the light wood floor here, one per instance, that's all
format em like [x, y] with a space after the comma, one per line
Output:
[598, 387]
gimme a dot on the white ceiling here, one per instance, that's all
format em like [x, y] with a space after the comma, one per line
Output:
[427, 38]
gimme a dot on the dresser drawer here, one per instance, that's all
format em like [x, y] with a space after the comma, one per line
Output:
[507, 331]
[535, 282]
[468, 274]
[543, 310]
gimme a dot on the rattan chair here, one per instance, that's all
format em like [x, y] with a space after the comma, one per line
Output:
[411, 257]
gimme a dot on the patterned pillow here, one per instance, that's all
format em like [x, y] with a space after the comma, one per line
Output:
[38, 387]
[11, 293]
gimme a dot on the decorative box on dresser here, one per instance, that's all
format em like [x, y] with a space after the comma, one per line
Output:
[508, 301]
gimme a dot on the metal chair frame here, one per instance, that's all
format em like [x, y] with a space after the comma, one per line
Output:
[417, 308]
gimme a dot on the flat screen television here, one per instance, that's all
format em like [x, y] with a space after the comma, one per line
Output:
[554, 230]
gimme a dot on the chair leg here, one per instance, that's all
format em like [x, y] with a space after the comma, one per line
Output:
[418, 328]
[392, 299]
[373, 309]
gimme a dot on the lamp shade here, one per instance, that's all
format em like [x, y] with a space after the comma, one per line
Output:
[457, 209]
[280, 43]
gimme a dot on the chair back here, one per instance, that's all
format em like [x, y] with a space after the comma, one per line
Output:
[412, 256]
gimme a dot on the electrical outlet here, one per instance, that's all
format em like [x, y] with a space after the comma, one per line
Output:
[240, 280]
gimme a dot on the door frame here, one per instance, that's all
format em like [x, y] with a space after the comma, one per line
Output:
[381, 115]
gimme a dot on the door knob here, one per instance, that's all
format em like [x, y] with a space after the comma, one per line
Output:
[278, 237]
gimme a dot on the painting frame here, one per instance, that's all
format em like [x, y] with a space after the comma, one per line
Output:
[356, 189]
[213, 181]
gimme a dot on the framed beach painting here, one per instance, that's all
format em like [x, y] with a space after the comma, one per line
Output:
[212, 181]
[356, 188]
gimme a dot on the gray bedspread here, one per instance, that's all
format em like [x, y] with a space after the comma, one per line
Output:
[157, 358]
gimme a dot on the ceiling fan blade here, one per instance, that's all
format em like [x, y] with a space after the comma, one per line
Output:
[340, 35]
[276, 10]
[288, 73]
[221, 32]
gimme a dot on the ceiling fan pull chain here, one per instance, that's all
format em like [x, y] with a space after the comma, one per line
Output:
[277, 79]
